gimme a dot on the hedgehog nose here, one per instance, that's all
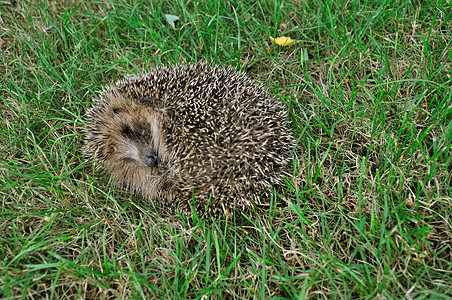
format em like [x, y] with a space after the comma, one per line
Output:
[150, 159]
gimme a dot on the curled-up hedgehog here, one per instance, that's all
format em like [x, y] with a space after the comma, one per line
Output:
[188, 135]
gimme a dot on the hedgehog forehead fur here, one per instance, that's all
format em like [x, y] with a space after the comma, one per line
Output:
[188, 134]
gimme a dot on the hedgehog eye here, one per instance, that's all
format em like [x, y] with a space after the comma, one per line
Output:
[116, 110]
[127, 132]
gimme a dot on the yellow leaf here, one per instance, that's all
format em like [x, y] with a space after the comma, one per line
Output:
[409, 201]
[283, 41]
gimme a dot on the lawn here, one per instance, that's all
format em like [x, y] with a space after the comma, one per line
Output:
[366, 212]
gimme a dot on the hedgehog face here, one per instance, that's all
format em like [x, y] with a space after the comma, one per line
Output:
[127, 138]
[135, 146]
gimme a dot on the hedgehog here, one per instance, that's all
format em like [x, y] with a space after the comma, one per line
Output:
[191, 136]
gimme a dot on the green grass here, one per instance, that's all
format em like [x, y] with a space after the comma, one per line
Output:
[366, 214]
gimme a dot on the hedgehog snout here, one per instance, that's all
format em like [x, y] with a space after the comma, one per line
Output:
[150, 159]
